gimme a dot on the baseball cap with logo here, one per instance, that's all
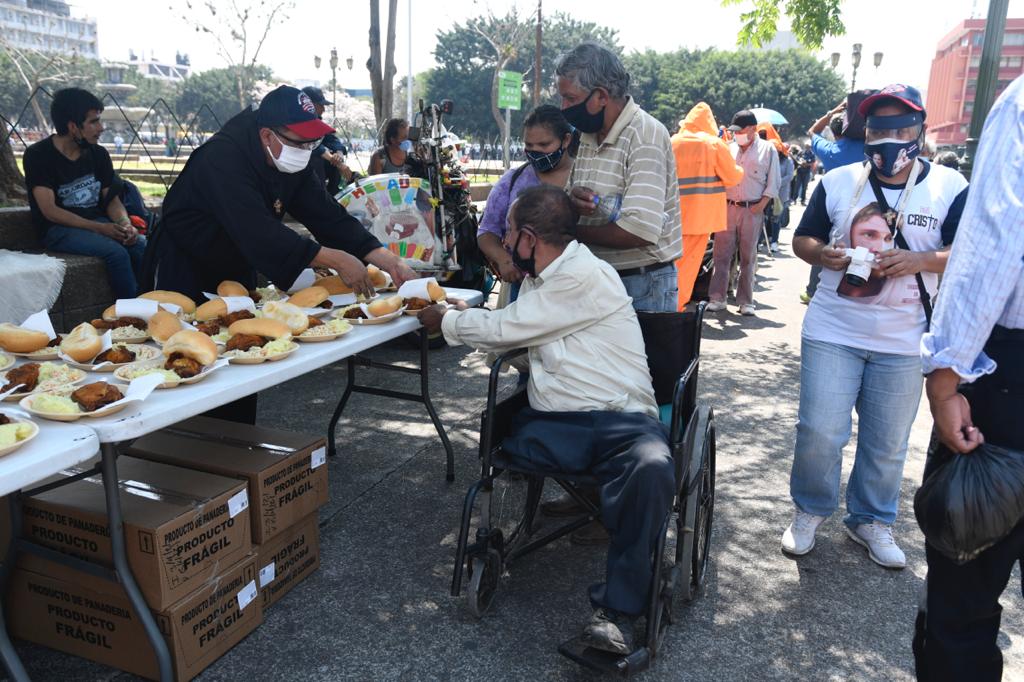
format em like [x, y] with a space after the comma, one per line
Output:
[742, 119]
[897, 91]
[293, 109]
[317, 95]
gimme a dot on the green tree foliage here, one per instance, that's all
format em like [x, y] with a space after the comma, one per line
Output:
[810, 20]
[210, 94]
[466, 62]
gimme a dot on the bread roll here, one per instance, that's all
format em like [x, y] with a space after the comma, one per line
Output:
[110, 314]
[230, 287]
[310, 297]
[384, 306]
[18, 340]
[271, 329]
[192, 344]
[291, 315]
[187, 305]
[82, 344]
[334, 285]
[436, 292]
[211, 310]
[377, 276]
[163, 326]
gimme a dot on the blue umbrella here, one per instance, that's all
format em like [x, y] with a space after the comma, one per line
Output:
[769, 115]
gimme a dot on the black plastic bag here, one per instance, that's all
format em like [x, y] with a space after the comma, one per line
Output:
[970, 502]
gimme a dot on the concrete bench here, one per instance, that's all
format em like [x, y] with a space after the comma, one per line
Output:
[85, 292]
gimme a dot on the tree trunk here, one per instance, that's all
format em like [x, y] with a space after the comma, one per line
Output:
[387, 87]
[495, 111]
[12, 184]
[373, 65]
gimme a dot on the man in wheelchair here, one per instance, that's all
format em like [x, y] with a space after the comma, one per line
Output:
[591, 402]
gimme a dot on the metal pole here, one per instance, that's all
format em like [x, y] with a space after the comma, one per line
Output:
[408, 82]
[988, 72]
[536, 59]
[334, 92]
[504, 146]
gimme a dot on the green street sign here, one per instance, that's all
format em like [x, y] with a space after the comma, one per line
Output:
[510, 90]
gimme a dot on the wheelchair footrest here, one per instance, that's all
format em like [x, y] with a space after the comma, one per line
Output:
[604, 661]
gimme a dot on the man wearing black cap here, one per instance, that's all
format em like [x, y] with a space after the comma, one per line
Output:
[745, 213]
[331, 150]
[223, 217]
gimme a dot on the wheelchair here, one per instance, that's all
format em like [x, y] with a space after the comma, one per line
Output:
[681, 558]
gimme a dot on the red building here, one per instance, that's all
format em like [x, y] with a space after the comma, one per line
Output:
[954, 76]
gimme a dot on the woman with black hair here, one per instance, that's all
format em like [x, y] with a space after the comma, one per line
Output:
[391, 158]
[549, 144]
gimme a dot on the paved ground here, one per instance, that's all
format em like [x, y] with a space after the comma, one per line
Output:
[379, 607]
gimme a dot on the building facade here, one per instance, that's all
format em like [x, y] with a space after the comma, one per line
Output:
[151, 67]
[47, 26]
[954, 76]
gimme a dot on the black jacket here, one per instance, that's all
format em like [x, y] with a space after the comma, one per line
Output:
[222, 217]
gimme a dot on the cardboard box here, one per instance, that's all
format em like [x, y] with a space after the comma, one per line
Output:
[288, 559]
[181, 526]
[287, 472]
[100, 624]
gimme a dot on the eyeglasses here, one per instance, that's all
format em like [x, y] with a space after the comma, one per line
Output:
[284, 139]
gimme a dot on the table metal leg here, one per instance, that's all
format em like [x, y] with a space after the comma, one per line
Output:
[425, 392]
[15, 670]
[333, 426]
[124, 573]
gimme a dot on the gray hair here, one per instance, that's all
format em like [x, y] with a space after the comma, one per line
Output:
[590, 66]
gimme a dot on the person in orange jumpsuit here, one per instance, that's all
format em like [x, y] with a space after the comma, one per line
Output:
[705, 168]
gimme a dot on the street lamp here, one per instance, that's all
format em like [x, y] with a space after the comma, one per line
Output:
[316, 61]
[334, 82]
[835, 59]
[856, 65]
[878, 59]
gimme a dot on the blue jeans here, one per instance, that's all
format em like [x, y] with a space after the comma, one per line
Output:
[885, 389]
[123, 262]
[656, 292]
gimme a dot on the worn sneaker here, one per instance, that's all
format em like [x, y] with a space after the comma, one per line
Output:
[590, 535]
[609, 631]
[715, 306]
[775, 247]
[799, 537]
[877, 538]
[747, 309]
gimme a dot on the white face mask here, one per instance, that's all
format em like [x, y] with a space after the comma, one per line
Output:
[292, 160]
[742, 139]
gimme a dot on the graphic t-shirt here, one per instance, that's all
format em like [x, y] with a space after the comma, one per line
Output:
[885, 314]
[76, 184]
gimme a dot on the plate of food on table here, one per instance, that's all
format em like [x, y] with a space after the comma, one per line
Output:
[85, 349]
[188, 356]
[251, 342]
[421, 293]
[28, 343]
[32, 377]
[15, 431]
[378, 311]
[95, 399]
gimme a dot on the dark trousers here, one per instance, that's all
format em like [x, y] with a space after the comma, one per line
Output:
[629, 455]
[803, 178]
[956, 630]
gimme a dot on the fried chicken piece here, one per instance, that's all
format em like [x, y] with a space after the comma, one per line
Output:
[211, 328]
[245, 342]
[182, 366]
[4, 419]
[103, 325]
[231, 318]
[118, 355]
[326, 305]
[92, 397]
[354, 314]
[56, 341]
[26, 374]
[416, 303]
[314, 321]
[255, 296]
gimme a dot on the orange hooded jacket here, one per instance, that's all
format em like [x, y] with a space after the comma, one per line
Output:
[705, 168]
[773, 137]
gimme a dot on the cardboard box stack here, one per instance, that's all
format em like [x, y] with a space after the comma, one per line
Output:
[220, 521]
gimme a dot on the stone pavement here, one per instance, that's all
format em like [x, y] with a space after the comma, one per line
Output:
[379, 609]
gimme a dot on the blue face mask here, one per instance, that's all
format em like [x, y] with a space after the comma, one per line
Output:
[541, 162]
[406, 146]
[890, 155]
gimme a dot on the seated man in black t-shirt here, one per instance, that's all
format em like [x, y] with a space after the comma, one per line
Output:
[68, 176]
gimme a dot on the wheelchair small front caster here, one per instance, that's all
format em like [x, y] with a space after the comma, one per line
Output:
[485, 572]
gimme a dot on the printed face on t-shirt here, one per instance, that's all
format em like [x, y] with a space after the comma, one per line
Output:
[872, 233]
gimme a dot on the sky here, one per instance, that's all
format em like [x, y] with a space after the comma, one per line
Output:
[906, 32]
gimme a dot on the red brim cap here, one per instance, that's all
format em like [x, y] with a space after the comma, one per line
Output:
[866, 105]
[310, 130]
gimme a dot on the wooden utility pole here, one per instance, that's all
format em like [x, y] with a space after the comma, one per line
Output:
[536, 59]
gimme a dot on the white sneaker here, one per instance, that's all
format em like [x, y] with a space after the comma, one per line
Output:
[747, 309]
[715, 306]
[775, 247]
[877, 538]
[799, 537]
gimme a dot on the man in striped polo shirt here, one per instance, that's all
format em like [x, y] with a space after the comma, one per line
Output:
[623, 182]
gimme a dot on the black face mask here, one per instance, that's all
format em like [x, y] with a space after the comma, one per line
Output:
[525, 265]
[579, 117]
[82, 142]
[541, 162]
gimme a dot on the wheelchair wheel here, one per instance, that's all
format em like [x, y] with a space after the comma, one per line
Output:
[705, 507]
[485, 571]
